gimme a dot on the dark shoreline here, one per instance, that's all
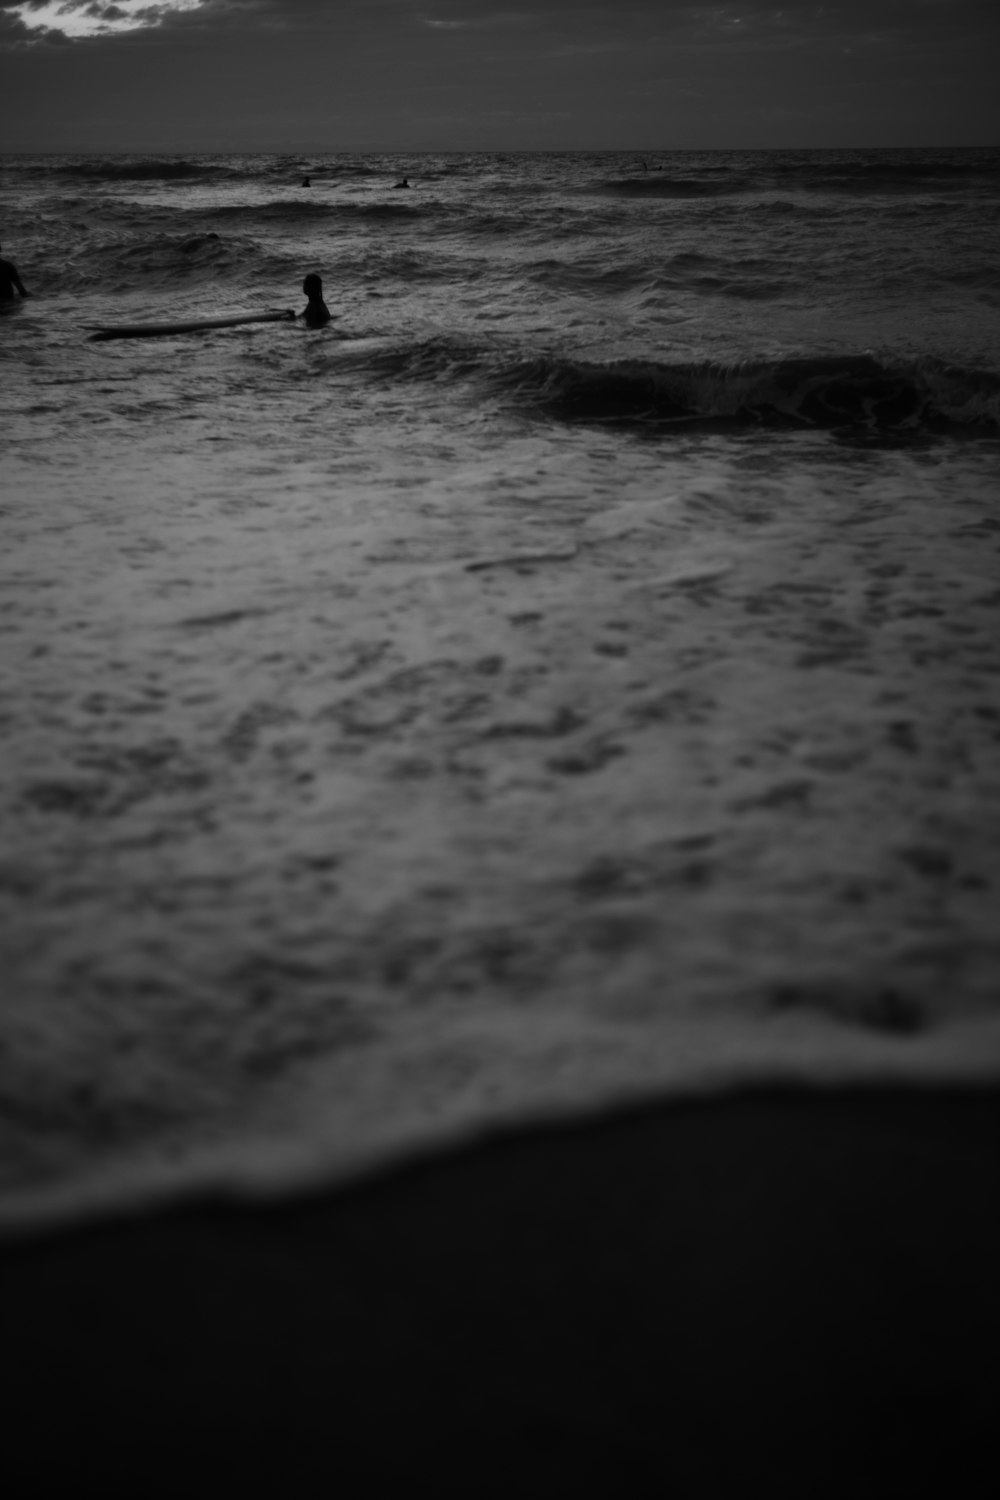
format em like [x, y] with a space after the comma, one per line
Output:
[783, 1289]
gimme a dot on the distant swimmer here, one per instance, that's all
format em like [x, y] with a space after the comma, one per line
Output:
[10, 281]
[315, 314]
[307, 182]
[403, 182]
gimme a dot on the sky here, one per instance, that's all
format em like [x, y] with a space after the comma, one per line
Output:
[464, 75]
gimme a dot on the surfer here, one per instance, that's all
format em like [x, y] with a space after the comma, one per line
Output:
[316, 313]
[10, 280]
[403, 182]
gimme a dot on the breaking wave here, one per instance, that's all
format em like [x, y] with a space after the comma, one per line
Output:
[164, 262]
[656, 186]
[857, 391]
[811, 173]
[296, 210]
[901, 176]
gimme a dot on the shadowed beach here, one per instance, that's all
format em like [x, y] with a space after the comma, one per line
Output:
[785, 1290]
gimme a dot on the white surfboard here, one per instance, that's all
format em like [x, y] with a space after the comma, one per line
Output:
[195, 325]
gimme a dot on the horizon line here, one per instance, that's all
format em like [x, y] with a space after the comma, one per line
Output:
[465, 151]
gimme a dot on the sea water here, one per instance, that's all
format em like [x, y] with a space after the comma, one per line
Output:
[572, 672]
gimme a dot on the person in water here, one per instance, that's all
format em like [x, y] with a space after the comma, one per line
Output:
[10, 281]
[315, 314]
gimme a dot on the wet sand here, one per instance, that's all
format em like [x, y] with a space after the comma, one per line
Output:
[782, 1289]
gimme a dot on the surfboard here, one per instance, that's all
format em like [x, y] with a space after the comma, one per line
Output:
[195, 325]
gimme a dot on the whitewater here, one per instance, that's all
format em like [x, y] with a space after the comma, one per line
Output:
[569, 677]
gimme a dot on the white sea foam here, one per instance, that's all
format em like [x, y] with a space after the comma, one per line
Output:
[415, 726]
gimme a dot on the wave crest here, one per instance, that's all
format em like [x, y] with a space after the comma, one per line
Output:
[162, 263]
[657, 186]
[856, 391]
[297, 210]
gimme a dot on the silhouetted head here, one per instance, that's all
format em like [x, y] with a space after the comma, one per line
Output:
[312, 286]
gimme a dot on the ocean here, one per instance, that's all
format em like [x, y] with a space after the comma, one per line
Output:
[570, 676]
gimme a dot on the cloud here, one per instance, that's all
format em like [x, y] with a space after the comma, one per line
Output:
[488, 22]
[79, 19]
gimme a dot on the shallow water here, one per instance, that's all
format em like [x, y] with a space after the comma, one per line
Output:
[572, 672]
